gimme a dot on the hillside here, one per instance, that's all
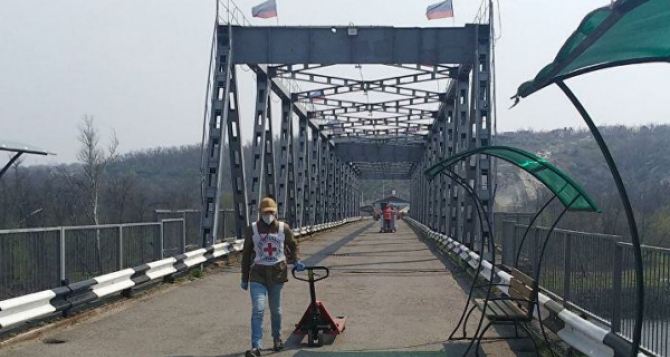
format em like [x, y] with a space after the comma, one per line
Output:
[139, 182]
[643, 159]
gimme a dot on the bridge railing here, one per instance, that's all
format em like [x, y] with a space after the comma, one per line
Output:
[589, 335]
[49, 270]
[593, 274]
[42, 258]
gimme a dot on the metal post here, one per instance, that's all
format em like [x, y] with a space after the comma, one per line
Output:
[567, 268]
[62, 254]
[617, 277]
[508, 246]
[162, 240]
[120, 247]
[183, 234]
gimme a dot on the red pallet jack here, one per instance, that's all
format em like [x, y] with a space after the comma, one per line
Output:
[317, 321]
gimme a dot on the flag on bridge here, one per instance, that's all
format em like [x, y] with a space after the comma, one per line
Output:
[265, 10]
[440, 10]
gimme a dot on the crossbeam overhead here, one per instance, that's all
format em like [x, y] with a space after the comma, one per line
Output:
[354, 45]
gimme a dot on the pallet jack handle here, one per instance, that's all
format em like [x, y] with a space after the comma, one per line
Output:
[311, 277]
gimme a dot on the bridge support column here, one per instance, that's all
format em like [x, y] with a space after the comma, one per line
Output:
[311, 217]
[302, 172]
[258, 143]
[434, 196]
[269, 179]
[464, 223]
[223, 113]
[485, 172]
[286, 193]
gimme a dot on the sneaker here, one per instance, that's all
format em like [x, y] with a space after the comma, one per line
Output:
[256, 352]
[278, 345]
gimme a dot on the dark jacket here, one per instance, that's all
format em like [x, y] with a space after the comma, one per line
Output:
[273, 274]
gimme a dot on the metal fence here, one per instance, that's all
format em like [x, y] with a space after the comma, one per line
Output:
[594, 275]
[38, 259]
[191, 218]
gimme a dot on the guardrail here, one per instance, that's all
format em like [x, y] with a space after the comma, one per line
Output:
[41, 304]
[587, 337]
[593, 274]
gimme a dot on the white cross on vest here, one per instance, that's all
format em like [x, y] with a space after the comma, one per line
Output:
[269, 248]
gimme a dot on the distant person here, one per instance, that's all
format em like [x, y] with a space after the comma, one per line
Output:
[269, 246]
[388, 218]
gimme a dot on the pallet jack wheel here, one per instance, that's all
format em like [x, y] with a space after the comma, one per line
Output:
[315, 339]
[319, 339]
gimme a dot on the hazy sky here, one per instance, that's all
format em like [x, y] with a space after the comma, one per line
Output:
[139, 66]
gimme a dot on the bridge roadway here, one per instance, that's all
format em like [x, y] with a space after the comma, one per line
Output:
[399, 296]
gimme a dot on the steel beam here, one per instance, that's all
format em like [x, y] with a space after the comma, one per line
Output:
[285, 151]
[302, 172]
[322, 196]
[379, 153]
[237, 170]
[353, 45]
[259, 142]
[218, 116]
[270, 179]
[484, 171]
[314, 177]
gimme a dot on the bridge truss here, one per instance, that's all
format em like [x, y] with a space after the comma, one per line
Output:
[430, 100]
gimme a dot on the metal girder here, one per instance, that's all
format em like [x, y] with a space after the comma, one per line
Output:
[482, 130]
[213, 162]
[259, 142]
[322, 197]
[237, 170]
[379, 153]
[389, 105]
[383, 176]
[447, 116]
[285, 158]
[373, 86]
[269, 179]
[353, 45]
[302, 172]
[335, 120]
[461, 144]
[313, 177]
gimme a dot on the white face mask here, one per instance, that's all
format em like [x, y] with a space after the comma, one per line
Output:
[268, 218]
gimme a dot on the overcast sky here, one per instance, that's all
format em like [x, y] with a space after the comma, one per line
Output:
[139, 66]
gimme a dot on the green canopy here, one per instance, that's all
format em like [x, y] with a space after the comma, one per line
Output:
[554, 179]
[627, 32]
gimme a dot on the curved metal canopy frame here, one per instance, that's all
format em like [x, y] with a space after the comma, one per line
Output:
[608, 37]
[535, 166]
[557, 181]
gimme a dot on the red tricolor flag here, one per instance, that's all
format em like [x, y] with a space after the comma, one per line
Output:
[265, 9]
[440, 10]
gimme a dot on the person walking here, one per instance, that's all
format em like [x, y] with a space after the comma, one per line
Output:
[269, 246]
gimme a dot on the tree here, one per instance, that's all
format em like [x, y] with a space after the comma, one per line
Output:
[94, 160]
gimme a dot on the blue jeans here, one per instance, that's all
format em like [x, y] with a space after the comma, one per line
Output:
[258, 294]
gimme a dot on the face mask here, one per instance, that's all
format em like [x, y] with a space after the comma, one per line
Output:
[268, 218]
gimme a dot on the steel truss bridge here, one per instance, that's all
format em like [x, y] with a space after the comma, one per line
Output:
[427, 98]
[350, 128]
